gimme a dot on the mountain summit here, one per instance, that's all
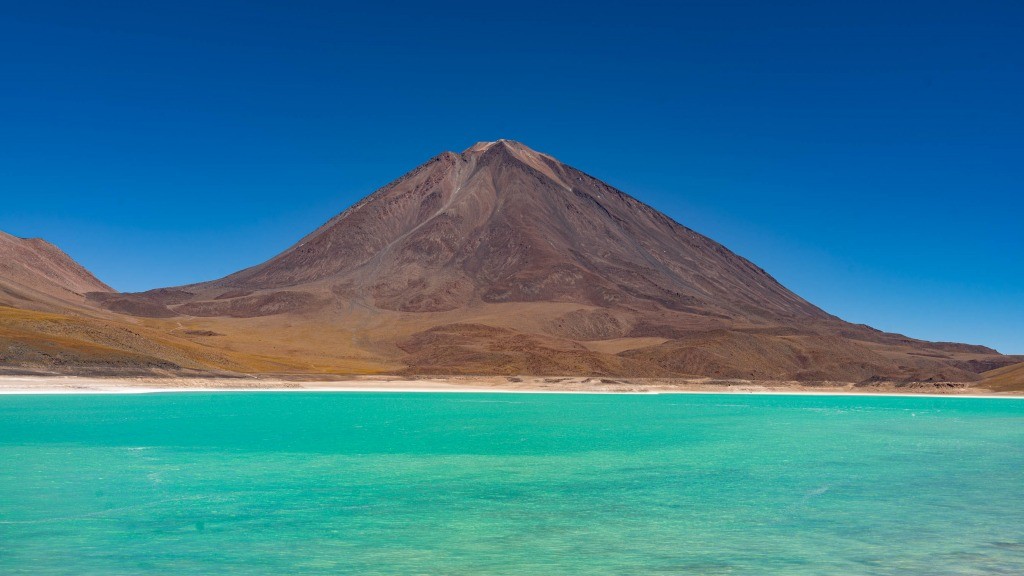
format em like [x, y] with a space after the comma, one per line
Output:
[501, 259]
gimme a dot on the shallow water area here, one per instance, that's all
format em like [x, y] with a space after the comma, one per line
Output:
[481, 483]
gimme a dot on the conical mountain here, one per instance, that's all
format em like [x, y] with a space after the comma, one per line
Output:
[504, 223]
[502, 259]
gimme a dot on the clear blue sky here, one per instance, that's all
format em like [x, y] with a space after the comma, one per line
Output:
[870, 154]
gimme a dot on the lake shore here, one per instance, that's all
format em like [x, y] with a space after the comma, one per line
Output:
[522, 384]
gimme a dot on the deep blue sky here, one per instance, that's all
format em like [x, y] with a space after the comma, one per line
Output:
[870, 155]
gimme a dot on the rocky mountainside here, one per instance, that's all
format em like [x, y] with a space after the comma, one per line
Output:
[504, 260]
[33, 271]
[48, 325]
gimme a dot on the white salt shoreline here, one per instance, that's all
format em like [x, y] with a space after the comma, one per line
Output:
[50, 385]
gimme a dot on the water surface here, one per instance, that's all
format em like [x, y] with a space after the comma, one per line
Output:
[430, 483]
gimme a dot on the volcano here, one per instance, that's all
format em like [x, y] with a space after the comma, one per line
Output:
[503, 260]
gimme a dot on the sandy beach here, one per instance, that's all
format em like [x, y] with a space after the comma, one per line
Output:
[521, 384]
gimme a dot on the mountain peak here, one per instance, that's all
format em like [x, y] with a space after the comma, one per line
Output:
[484, 146]
[516, 148]
[539, 161]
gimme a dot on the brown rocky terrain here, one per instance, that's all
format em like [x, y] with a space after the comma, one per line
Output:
[37, 274]
[503, 260]
[48, 325]
[1005, 379]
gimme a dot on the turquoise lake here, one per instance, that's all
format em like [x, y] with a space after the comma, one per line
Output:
[439, 483]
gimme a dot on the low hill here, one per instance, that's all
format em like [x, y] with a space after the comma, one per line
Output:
[1005, 379]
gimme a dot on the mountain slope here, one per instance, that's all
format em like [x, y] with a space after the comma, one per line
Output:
[48, 325]
[1005, 379]
[35, 272]
[502, 260]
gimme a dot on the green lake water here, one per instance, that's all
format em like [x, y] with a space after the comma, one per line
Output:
[433, 483]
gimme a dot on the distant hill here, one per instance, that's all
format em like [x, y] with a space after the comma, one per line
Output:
[34, 272]
[48, 325]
